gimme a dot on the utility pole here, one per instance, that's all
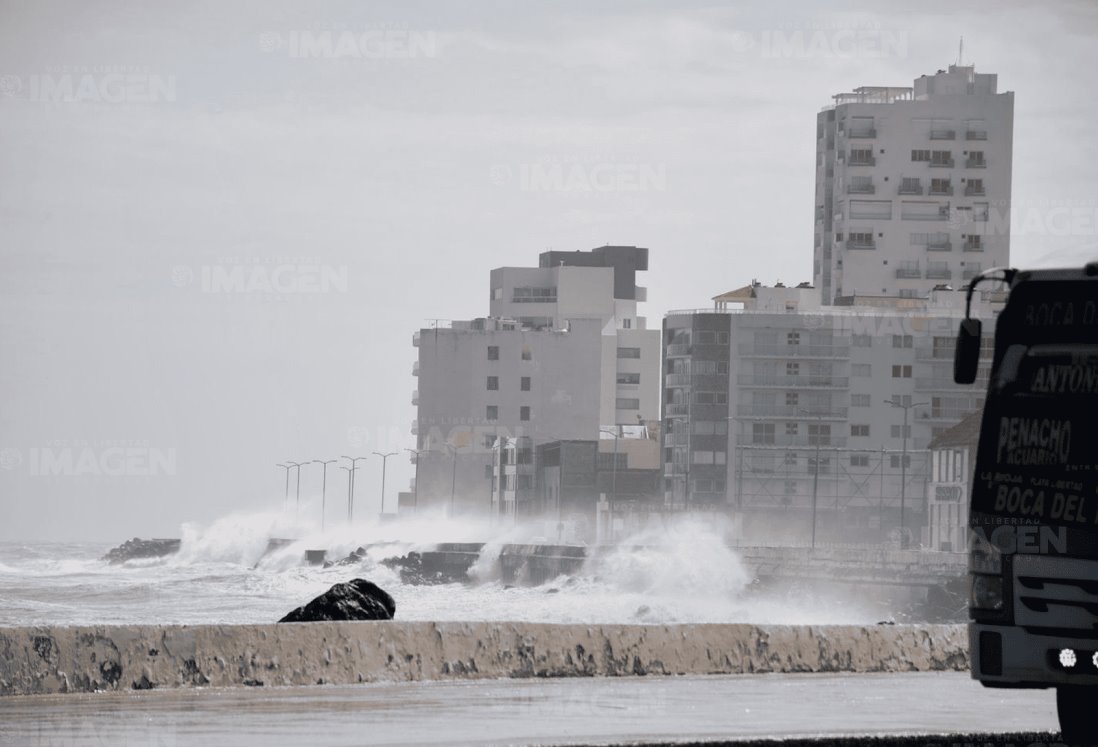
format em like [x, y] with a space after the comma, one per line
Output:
[415, 493]
[351, 492]
[384, 462]
[453, 476]
[324, 491]
[903, 466]
[613, 475]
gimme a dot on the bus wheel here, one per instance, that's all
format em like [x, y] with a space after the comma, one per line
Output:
[1075, 707]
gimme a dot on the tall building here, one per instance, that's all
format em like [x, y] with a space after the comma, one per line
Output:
[795, 415]
[563, 354]
[912, 185]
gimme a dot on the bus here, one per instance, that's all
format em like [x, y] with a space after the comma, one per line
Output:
[1033, 508]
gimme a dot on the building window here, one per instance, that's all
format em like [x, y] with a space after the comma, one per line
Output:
[710, 398]
[524, 383]
[628, 403]
[903, 400]
[861, 369]
[791, 399]
[859, 400]
[920, 155]
[629, 378]
[762, 433]
[819, 434]
[793, 338]
[792, 369]
[901, 372]
[493, 383]
[791, 429]
[534, 295]
[903, 341]
[862, 341]
[859, 430]
[493, 352]
[901, 431]
[711, 427]
[894, 461]
[790, 459]
[722, 338]
[859, 460]
[629, 352]
[526, 355]
[491, 412]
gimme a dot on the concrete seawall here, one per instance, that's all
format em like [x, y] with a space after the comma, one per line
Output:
[85, 659]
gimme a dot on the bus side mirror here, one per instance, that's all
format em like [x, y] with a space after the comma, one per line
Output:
[966, 358]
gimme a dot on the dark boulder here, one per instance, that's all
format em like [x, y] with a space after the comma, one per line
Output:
[354, 558]
[357, 599]
[415, 571]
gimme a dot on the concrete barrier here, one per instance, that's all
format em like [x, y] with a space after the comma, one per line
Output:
[85, 659]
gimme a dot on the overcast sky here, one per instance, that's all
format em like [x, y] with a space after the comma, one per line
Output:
[160, 162]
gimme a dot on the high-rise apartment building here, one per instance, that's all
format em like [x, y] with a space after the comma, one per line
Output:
[912, 185]
[562, 355]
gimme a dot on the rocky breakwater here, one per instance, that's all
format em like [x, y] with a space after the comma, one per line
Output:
[138, 548]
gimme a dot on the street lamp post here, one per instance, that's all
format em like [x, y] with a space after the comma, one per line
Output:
[815, 474]
[384, 462]
[415, 493]
[613, 475]
[351, 492]
[297, 494]
[324, 491]
[903, 466]
[350, 486]
[287, 467]
[453, 476]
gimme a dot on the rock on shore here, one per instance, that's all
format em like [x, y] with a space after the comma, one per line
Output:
[142, 548]
[357, 599]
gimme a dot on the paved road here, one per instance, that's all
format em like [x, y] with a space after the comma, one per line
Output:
[561, 711]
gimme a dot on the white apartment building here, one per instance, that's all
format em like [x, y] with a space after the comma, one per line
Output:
[561, 355]
[912, 185]
[791, 413]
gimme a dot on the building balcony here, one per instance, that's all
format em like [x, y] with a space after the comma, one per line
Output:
[415, 368]
[910, 189]
[944, 414]
[415, 427]
[861, 244]
[677, 379]
[415, 339]
[939, 246]
[415, 398]
[942, 164]
[943, 134]
[939, 354]
[974, 246]
[677, 409]
[936, 384]
[975, 163]
[861, 189]
[974, 190]
[862, 161]
[976, 135]
[941, 191]
[775, 350]
[792, 382]
[794, 412]
[862, 133]
[908, 273]
[939, 273]
[678, 349]
[942, 214]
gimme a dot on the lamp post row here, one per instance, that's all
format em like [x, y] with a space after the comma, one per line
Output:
[290, 465]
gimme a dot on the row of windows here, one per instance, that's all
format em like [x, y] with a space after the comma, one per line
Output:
[493, 353]
[491, 412]
[493, 384]
[866, 369]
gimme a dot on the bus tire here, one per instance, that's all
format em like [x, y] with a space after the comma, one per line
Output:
[1075, 708]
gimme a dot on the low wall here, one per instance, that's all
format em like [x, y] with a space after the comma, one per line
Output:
[84, 659]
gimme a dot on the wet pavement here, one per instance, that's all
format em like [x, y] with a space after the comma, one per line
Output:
[545, 712]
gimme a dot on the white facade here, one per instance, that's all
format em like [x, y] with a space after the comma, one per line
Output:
[913, 185]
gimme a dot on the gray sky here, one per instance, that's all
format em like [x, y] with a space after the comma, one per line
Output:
[149, 152]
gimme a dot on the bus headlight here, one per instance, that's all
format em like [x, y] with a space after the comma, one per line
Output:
[986, 592]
